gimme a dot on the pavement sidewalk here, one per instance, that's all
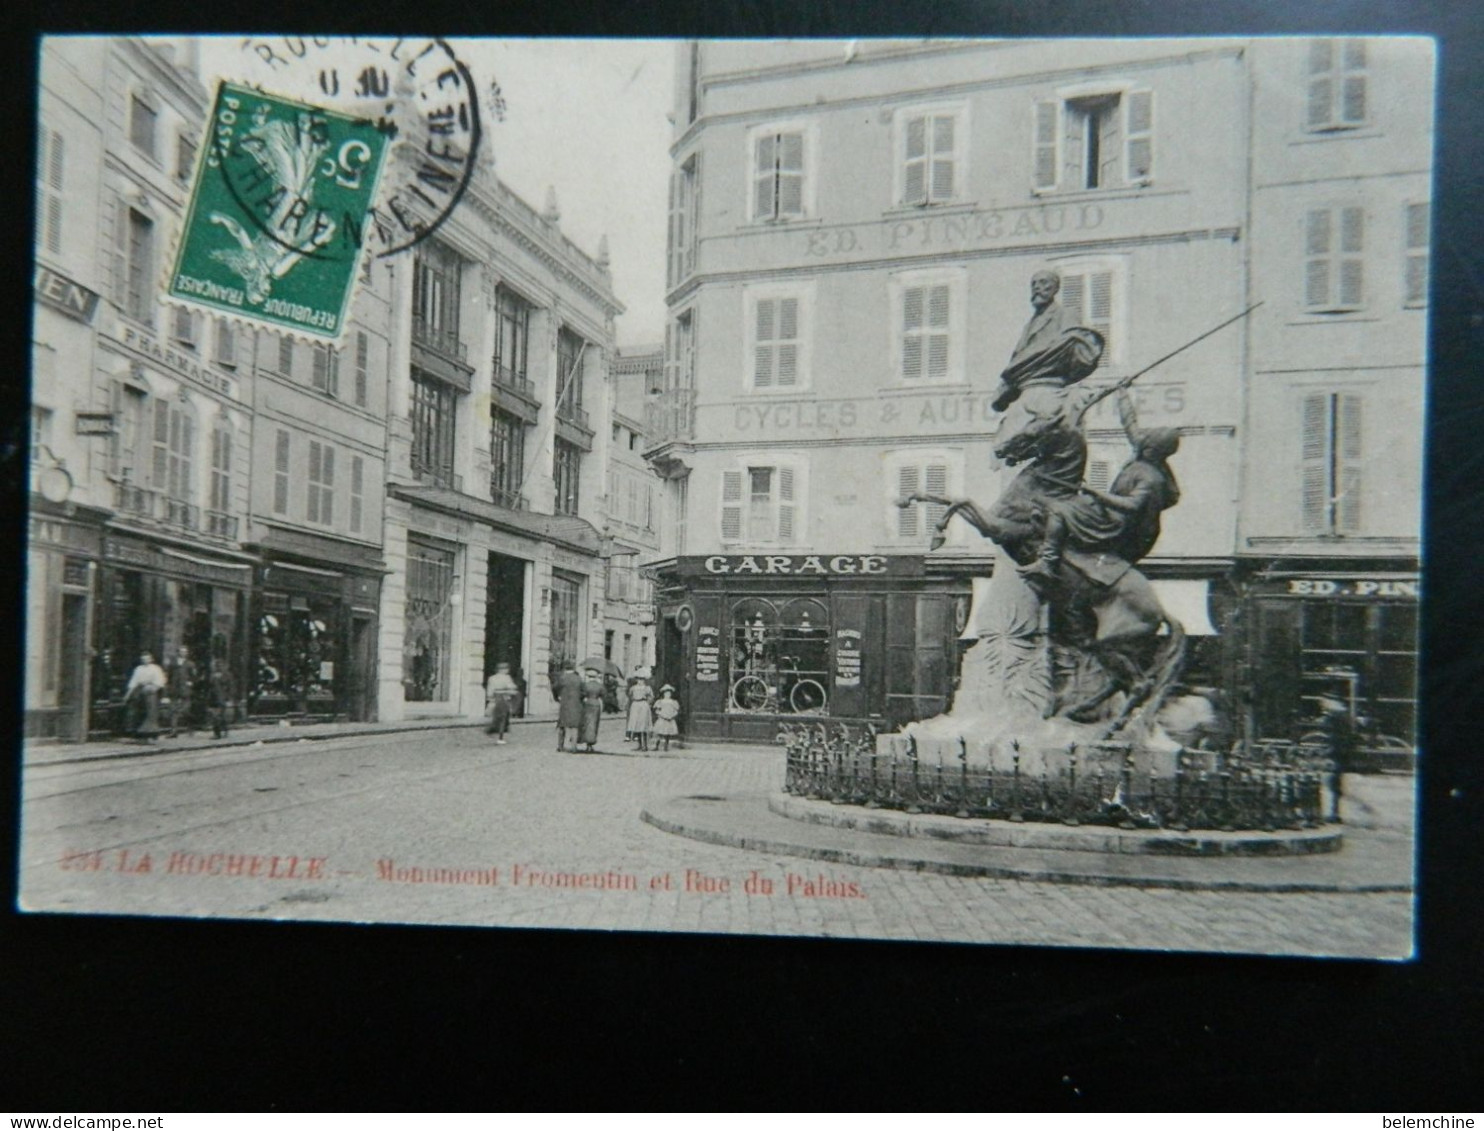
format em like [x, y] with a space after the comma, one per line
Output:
[251, 734]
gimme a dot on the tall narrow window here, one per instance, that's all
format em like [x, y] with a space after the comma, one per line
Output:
[930, 156]
[567, 474]
[286, 355]
[925, 333]
[1334, 264]
[363, 367]
[321, 504]
[684, 217]
[776, 342]
[281, 472]
[183, 326]
[433, 418]
[142, 121]
[682, 505]
[130, 437]
[512, 339]
[219, 521]
[926, 476]
[1095, 141]
[571, 353]
[226, 344]
[1417, 255]
[185, 157]
[437, 273]
[778, 175]
[326, 375]
[51, 185]
[1337, 84]
[139, 293]
[1332, 453]
[357, 493]
[1087, 300]
[507, 458]
[759, 504]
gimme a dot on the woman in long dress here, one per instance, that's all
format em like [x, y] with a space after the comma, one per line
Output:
[592, 709]
[641, 718]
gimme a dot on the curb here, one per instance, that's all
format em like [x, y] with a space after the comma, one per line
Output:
[866, 850]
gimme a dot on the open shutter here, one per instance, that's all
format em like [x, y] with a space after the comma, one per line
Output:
[938, 332]
[281, 473]
[1044, 140]
[1352, 258]
[363, 367]
[54, 165]
[160, 471]
[1416, 280]
[1348, 444]
[314, 472]
[764, 348]
[791, 174]
[693, 217]
[1100, 309]
[672, 275]
[936, 479]
[764, 156]
[119, 291]
[1314, 462]
[1139, 137]
[915, 169]
[786, 504]
[1109, 124]
[908, 483]
[941, 186]
[1073, 149]
[912, 316]
[731, 506]
[1073, 297]
[1318, 245]
[788, 341]
[327, 496]
[1353, 82]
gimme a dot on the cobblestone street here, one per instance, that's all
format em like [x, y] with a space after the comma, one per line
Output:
[446, 827]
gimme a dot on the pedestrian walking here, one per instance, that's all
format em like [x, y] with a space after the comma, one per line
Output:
[568, 693]
[142, 697]
[666, 712]
[592, 708]
[218, 695]
[641, 715]
[182, 686]
[499, 696]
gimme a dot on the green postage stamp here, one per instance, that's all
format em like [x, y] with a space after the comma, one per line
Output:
[278, 212]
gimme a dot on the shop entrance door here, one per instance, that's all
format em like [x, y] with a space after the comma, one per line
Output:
[504, 619]
[71, 694]
[359, 705]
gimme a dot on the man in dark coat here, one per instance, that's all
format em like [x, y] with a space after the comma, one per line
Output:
[568, 692]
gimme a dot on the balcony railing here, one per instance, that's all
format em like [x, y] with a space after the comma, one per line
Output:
[573, 415]
[222, 525]
[440, 339]
[509, 379]
[508, 498]
[671, 416]
[180, 513]
[132, 499]
[437, 476]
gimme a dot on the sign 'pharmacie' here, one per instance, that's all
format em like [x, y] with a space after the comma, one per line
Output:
[801, 565]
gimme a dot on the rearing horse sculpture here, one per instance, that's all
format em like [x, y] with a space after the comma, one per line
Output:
[1101, 606]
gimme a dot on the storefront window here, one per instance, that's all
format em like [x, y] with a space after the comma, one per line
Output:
[779, 657]
[428, 643]
[296, 654]
[566, 608]
[1363, 658]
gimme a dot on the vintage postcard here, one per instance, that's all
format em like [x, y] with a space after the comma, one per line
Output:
[953, 490]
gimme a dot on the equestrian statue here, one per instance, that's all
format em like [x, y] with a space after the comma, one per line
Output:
[1071, 621]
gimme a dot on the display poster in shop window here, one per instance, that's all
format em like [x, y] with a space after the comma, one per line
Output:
[943, 490]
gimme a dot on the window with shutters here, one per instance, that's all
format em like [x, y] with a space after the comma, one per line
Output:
[131, 432]
[1094, 140]
[50, 184]
[326, 372]
[357, 494]
[321, 502]
[363, 368]
[226, 344]
[183, 326]
[567, 475]
[1337, 85]
[281, 452]
[929, 326]
[932, 154]
[1415, 283]
[286, 355]
[777, 335]
[219, 517]
[174, 449]
[1334, 259]
[143, 122]
[1331, 459]
[781, 167]
[682, 503]
[685, 210]
[1091, 295]
[761, 504]
[185, 157]
[917, 472]
[138, 234]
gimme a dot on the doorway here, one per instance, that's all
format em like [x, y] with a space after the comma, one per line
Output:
[504, 620]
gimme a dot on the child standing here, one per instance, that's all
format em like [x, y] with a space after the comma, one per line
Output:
[641, 717]
[499, 694]
[666, 711]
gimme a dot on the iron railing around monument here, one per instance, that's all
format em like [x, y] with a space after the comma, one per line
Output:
[1272, 785]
